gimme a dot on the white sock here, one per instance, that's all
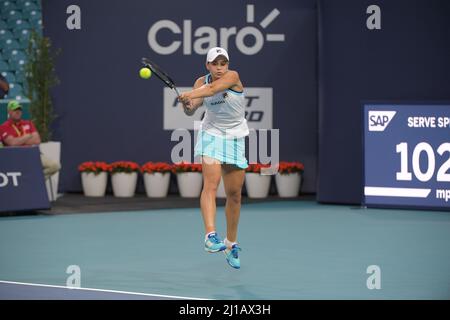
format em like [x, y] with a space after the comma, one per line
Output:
[228, 243]
[207, 235]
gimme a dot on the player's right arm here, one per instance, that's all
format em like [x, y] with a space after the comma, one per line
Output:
[190, 105]
[196, 103]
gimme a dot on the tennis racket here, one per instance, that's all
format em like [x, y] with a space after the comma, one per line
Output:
[164, 77]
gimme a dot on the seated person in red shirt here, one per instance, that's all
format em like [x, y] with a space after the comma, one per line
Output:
[18, 132]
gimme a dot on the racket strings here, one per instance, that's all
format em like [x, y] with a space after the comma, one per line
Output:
[159, 72]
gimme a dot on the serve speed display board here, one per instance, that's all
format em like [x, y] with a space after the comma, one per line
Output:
[407, 155]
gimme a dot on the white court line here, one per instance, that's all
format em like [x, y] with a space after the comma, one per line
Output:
[396, 192]
[101, 290]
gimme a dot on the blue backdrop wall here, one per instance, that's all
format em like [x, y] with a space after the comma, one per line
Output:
[406, 60]
[309, 63]
[107, 113]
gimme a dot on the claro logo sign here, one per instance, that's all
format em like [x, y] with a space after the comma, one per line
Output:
[204, 37]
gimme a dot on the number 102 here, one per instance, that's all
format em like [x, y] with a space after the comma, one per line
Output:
[406, 175]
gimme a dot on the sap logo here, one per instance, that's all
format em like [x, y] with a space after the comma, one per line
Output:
[6, 177]
[207, 36]
[379, 120]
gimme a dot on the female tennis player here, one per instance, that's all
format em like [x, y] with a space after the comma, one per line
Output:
[221, 145]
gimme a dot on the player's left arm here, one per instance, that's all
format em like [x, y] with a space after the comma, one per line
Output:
[229, 80]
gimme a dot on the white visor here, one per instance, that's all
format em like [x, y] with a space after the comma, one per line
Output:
[213, 53]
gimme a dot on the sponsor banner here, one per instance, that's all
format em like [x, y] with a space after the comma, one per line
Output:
[258, 109]
[271, 44]
[22, 184]
[188, 37]
[407, 155]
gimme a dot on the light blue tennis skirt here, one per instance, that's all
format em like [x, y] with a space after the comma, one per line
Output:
[227, 151]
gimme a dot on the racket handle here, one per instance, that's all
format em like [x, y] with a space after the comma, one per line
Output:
[188, 112]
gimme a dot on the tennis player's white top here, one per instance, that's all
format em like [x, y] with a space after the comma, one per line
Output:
[225, 114]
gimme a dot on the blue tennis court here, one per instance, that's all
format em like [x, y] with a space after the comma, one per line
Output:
[291, 250]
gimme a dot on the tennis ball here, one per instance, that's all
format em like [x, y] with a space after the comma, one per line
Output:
[145, 73]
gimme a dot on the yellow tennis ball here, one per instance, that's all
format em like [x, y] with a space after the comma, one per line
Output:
[145, 73]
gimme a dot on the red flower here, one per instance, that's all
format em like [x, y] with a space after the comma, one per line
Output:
[290, 167]
[94, 167]
[256, 167]
[151, 167]
[124, 166]
[186, 167]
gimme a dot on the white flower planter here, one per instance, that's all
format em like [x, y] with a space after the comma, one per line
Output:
[221, 190]
[189, 184]
[94, 185]
[288, 185]
[157, 184]
[257, 185]
[52, 150]
[124, 184]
